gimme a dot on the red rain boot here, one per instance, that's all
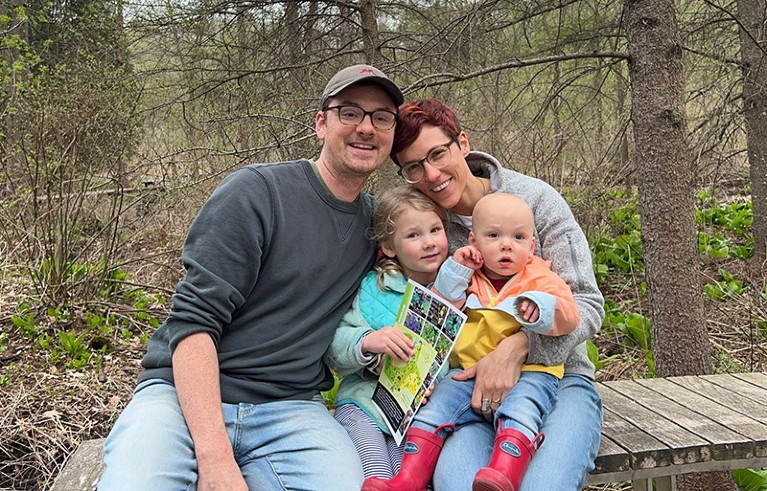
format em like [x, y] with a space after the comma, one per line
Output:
[512, 452]
[419, 459]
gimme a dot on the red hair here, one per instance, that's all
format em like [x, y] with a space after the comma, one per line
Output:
[414, 114]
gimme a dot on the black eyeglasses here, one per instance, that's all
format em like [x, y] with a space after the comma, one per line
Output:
[353, 115]
[438, 157]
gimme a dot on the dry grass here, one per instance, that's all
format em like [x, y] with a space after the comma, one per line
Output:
[47, 409]
[46, 413]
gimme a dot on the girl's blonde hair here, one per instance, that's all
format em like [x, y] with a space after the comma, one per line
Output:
[391, 204]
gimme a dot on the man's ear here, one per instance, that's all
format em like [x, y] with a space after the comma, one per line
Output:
[320, 124]
[388, 250]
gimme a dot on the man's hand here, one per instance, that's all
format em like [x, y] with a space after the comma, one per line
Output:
[222, 475]
[389, 341]
[469, 256]
[496, 373]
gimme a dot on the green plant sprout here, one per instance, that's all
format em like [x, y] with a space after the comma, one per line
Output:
[728, 287]
[75, 346]
[25, 322]
[751, 479]
[734, 217]
[593, 354]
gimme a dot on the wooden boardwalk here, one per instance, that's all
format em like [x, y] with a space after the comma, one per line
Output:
[653, 428]
[668, 426]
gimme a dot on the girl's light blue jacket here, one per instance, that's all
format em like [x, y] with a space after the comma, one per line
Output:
[371, 310]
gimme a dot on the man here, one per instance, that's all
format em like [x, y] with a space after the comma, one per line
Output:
[229, 397]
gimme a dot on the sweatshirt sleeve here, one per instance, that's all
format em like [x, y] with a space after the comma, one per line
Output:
[222, 256]
[563, 243]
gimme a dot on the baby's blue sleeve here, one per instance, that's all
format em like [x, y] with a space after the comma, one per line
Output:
[453, 280]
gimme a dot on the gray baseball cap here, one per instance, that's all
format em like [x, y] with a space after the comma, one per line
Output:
[361, 73]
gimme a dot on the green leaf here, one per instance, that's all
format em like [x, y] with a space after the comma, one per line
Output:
[593, 354]
[650, 364]
[638, 328]
[750, 479]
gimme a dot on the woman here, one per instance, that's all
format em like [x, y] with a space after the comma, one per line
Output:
[435, 157]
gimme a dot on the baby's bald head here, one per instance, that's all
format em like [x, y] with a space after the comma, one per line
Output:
[508, 206]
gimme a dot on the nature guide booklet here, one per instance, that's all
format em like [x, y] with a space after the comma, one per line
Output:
[433, 325]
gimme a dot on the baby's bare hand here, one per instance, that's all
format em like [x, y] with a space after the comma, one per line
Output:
[529, 311]
[469, 256]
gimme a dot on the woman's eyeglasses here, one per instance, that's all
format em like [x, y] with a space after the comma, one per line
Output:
[438, 157]
[353, 115]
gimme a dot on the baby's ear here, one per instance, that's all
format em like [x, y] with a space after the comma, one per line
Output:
[472, 239]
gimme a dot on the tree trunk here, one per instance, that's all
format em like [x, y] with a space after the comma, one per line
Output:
[12, 107]
[621, 154]
[559, 138]
[371, 41]
[310, 32]
[753, 43]
[666, 198]
[294, 38]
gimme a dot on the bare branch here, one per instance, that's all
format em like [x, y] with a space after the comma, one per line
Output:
[438, 79]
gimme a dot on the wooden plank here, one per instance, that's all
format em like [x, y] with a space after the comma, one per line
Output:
[83, 468]
[665, 483]
[642, 485]
[738, 402]
[751, 385]
[731, 391]
[743, 391]
[701, 416]
[611, 457]
[620, 425]
[756, 378]
[745, 415]
[673, 470]
[682, 445]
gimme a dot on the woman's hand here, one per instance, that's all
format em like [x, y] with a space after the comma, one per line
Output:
[496, 373]
[389, 341]
[428, 392]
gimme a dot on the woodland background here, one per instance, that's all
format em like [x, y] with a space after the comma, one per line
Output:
[119, 117]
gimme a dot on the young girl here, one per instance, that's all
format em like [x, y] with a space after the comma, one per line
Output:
[409, 228]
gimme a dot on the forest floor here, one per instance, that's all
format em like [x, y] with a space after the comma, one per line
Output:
[47, 409]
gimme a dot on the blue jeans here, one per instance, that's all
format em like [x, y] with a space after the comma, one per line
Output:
[278, 445]
[572, 429]
[523, 409]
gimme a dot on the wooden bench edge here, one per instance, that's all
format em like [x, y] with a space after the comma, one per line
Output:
[82, 469]
[676, 469]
